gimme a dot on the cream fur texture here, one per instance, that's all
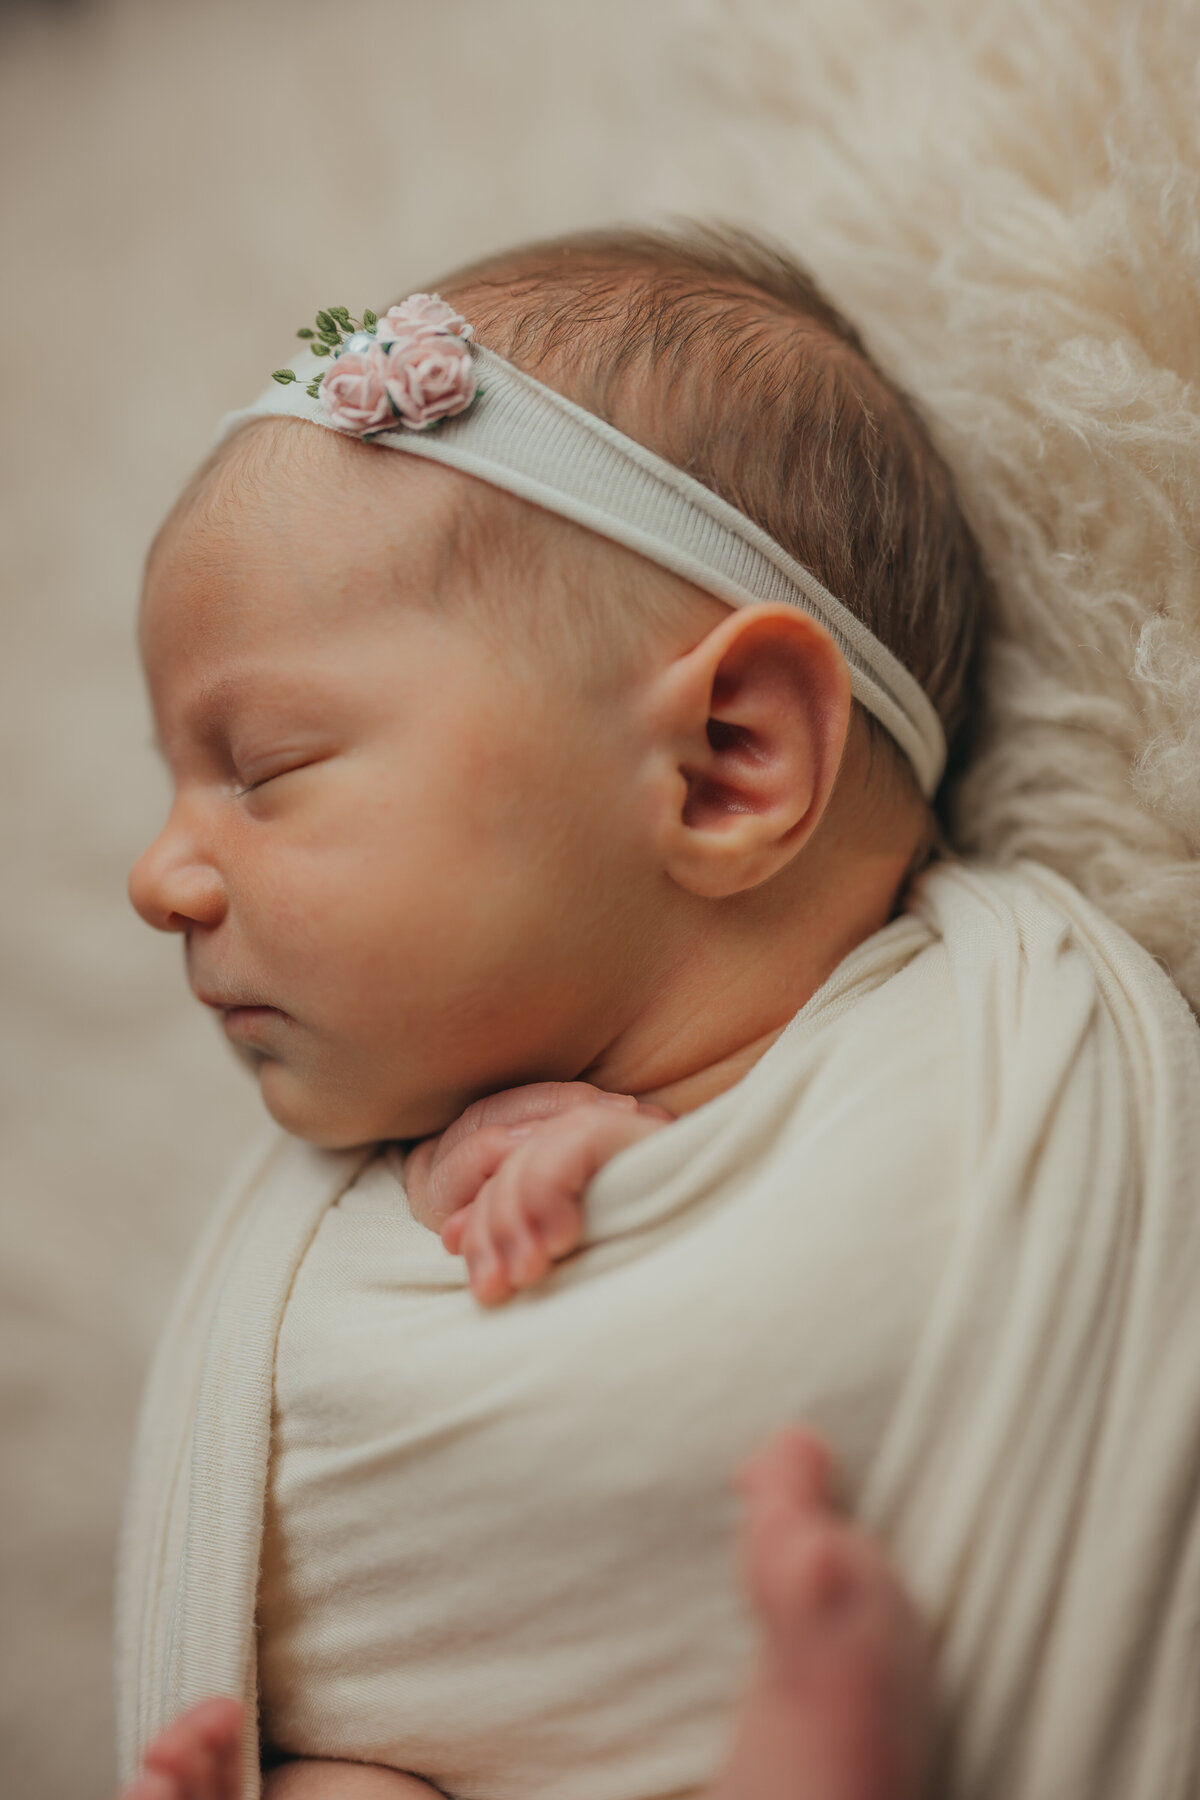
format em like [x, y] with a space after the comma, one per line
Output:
[1007, 198]
[1002, 192]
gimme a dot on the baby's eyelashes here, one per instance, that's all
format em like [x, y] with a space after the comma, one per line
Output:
[267, 780]
[250, 781]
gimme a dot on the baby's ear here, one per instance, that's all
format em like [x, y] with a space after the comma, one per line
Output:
[749, 729]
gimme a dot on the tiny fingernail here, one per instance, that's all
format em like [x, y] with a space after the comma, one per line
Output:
[624, 1101]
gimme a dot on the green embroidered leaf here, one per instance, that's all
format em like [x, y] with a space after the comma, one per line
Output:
[326, 321]
[306, 331]
[320, 349]
[370, 319]
[283, 376]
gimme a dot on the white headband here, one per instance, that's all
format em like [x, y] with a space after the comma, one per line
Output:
[527, 439]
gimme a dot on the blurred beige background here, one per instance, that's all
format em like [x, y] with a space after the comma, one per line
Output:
[1003, 192]
[180, 186]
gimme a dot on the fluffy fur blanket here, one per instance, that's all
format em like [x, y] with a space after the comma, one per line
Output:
[1007, 198]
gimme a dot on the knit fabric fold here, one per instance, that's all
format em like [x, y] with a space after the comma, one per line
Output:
[1035, 1467]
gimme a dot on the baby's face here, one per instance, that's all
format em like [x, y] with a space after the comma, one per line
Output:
[400, 855]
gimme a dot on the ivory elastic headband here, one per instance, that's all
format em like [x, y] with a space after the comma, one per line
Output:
[525, 438]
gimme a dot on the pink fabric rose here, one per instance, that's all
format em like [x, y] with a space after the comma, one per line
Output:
[417, 370]
[355, 391]
[428, 376]
[428, 311]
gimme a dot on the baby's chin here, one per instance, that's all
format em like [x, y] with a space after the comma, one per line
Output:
[336, 1116]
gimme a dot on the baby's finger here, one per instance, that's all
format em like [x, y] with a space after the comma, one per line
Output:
[556, 1164]
[417, 1164]
[514, 1230]
[533, 1188]
[454, 1177]
[486, 1272]
[452, 1230]
[179, 1757]
[223, 1724]
[560, 1224]
[537, 1100]
[197, 1755]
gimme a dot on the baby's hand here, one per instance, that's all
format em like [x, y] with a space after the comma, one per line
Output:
[198, 1757]
[504, 1184]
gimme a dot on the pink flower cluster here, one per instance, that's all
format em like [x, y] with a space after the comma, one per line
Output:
[416, 369]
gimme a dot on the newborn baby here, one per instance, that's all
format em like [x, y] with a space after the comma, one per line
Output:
[476, 799]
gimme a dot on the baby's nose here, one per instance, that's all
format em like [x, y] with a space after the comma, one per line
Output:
[175, 889]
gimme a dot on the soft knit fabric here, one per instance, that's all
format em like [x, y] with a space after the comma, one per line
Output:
[978, 1147]
[499, 1545]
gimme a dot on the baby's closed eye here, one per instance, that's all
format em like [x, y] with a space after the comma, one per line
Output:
[250, 779]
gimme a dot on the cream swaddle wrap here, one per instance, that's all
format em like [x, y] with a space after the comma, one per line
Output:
[1000, 1094]
[499, 1553]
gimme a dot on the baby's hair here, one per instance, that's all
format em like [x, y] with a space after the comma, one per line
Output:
[720, 353]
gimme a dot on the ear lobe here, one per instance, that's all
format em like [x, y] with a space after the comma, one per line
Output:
[759, 712]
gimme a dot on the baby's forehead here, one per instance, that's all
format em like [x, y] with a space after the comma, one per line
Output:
[273, 466]
[285, 494]
[287, 486]
[286, 505]
[365, 497]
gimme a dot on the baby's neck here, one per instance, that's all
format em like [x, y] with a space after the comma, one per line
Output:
[693, 1090]
[732, 995]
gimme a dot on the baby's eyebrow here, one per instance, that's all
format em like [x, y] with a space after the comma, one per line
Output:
[260, 688]
[215, 698]
[212, 702]
[202, 713]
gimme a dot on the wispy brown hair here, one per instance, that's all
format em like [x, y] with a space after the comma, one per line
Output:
[718, 351]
